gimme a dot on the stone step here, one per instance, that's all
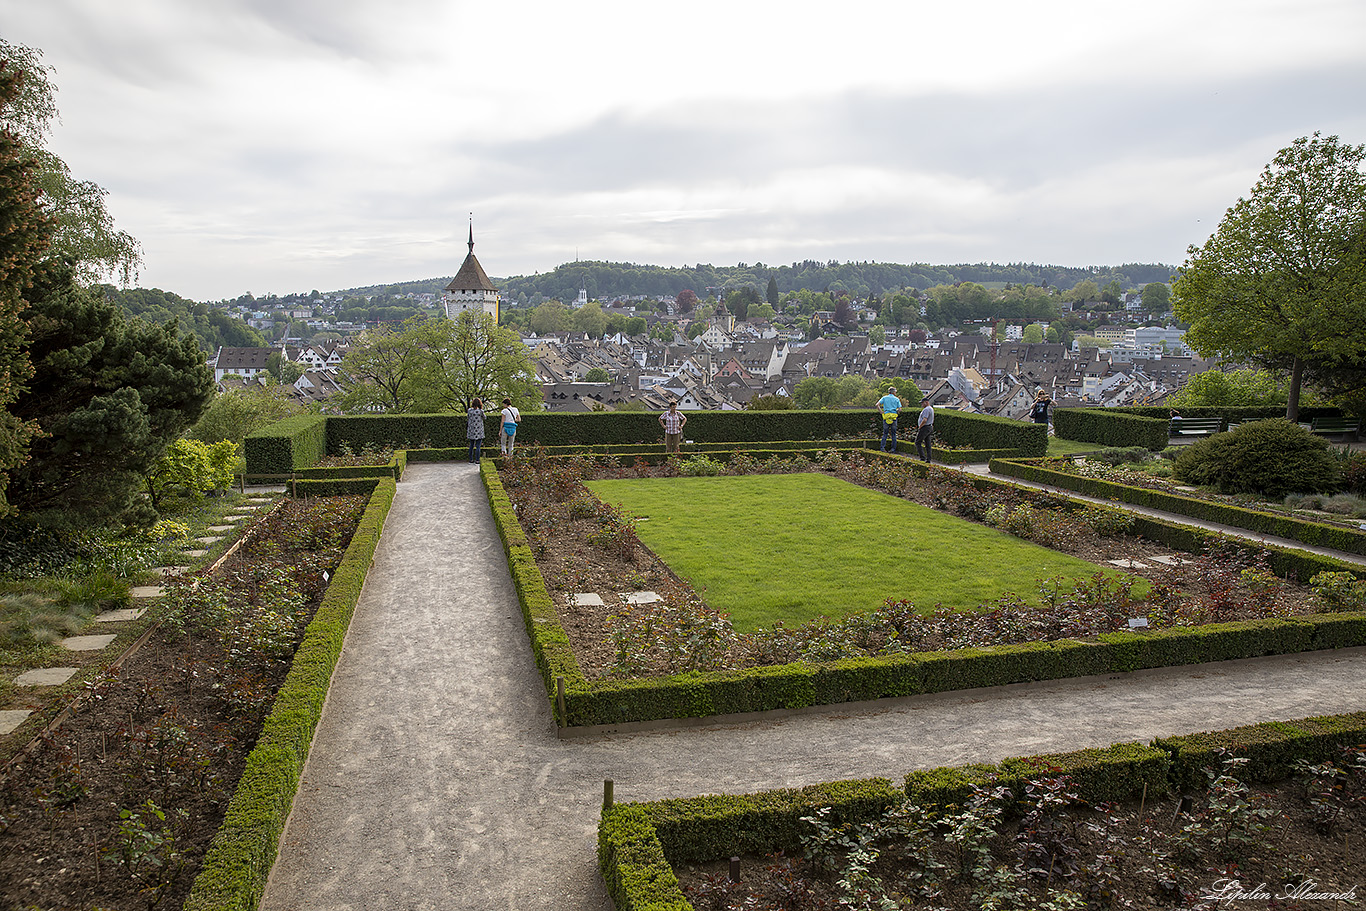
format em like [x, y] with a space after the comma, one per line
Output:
[45, 676]
[86, 643]
[11, 719]
[148, 591]
[121, 615]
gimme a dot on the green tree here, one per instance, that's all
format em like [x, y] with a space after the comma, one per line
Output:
[1236, 388]
[1267, 285]
[635, 325]
[25, 233]
[470, 357]
[1157, 296]
[816, 392]
[590, 319]
[1112, 291]
[552, 316]
[1084, 290]
[83, 230]
[1033, 334]
[772, 296]
[386, 369]
[109, 394]
[232, 415]
[597, 375]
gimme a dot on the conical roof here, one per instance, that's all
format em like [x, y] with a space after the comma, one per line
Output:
[471, 276]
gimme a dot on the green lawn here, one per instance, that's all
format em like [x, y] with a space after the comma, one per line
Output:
[1057, 446]
[765, 548]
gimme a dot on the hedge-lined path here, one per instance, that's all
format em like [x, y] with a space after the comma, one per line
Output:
[436, 779]
[1230, 530]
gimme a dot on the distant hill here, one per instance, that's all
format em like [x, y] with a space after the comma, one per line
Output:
[609, 280]
[210, 325]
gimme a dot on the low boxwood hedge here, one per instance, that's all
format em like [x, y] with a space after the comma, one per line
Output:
[1272, 748]
[600, 702]
[639, 843]
[239, 858]
[1348, 540]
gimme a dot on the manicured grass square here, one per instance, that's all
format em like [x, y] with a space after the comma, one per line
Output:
[769, 548]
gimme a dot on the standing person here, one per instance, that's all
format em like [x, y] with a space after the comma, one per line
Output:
[474, 430]
[1042, 405]
[889, 406]
[924, 432]
[511, 418]
[672, 421]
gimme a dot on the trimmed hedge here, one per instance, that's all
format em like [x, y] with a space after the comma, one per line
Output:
[1348, 540]
[1113, 773]
[698, 695]
[300, 442]
[287, 445]
[240, 856]
[1272, 747]
[638, 843]
[1148, 425]
[1111, 427]
[333, 487]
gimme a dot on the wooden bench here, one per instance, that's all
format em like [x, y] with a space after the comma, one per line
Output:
[1195, 426]
[1335, 426]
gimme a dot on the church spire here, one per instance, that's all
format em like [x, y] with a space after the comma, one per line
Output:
[471, 233]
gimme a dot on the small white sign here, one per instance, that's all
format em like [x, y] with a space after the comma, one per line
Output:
[1138, 623]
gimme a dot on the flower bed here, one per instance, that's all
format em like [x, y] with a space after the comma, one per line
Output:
[117, 807]
[711, 671]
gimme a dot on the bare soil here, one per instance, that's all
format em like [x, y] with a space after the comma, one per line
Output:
[1138, 855]
[173, 726]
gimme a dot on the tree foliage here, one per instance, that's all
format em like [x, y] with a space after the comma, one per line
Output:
[1273, 285]
[25, 232]
[439, 365]
[108, 395]
[211, 326]
[83, 230]
[232, 415]
[1236, 388]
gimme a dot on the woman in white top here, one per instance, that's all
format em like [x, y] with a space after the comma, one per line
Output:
[507, 435]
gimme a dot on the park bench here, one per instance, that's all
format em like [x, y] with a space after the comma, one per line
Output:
[1195, 426]
[1339, 426]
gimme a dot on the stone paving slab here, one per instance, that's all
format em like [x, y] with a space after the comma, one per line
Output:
[587, 599]
[220, 528]
[120, 615]
[1129, 564]
[148, 591]
[46, 676]
[235, 519]
[11, 719]
[641, 597]
[175, 570]
[86, 643]
[194, 553]
[1167, 559]
[209, 539]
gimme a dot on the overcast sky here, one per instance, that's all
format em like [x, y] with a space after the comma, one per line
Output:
[286, 145]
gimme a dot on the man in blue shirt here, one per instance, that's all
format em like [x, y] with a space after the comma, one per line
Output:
[888, 406]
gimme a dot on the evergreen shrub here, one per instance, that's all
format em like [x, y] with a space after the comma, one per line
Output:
[1272, 457]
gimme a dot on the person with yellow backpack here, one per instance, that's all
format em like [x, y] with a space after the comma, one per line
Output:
[888, 407]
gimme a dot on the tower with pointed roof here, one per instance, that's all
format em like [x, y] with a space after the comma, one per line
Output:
[471, 288]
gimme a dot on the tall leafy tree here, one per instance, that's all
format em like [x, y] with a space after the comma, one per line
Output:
[1268, 286]
[83, 230]
[471, 357]
[25, 232]
[772, 295]
[386, 368]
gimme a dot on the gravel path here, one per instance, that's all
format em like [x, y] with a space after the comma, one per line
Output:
[436, 779]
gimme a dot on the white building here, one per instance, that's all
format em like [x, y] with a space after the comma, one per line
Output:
[471, 288]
